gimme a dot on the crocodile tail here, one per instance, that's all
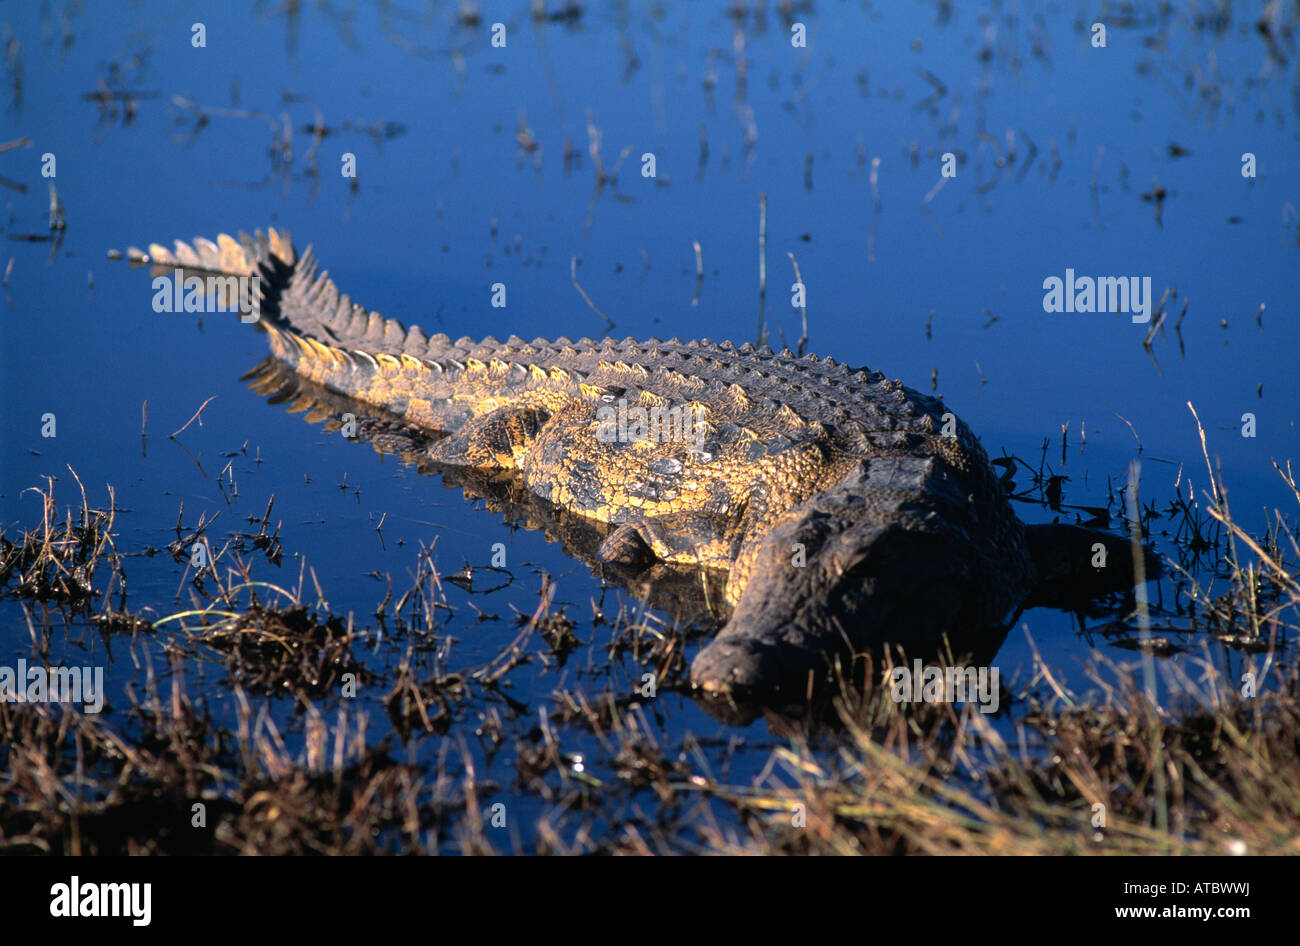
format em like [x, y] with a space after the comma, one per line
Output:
[235, 257]
[269, 257]
[293, 296]
[321, 334]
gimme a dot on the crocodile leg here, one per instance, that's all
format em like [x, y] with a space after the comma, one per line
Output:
[496, 440]
[682, 538]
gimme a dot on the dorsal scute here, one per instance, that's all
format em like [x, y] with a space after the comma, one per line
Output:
[416, 342]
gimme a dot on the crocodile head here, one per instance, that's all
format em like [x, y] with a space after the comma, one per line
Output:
[894, 554]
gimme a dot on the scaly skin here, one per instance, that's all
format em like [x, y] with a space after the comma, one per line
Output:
[843, 516]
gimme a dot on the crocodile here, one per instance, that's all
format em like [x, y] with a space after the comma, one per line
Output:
[845, 510]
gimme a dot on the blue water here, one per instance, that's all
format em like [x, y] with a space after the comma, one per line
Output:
[447, 203]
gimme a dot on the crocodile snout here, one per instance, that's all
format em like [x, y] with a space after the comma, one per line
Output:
[724, 667]
[737, 663]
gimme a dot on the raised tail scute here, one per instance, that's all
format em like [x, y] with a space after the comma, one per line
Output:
[294, 295]
[236, 257]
